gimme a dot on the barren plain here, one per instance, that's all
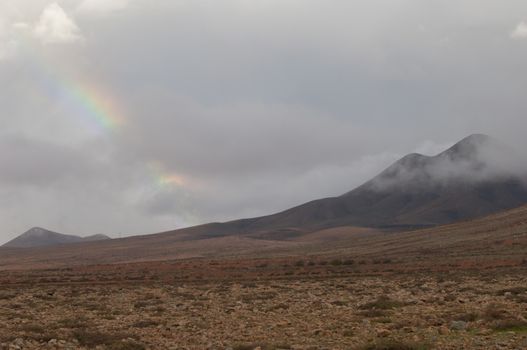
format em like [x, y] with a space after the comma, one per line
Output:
[312, 304]
[461, 286]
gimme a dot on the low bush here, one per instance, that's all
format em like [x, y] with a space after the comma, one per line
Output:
[336, 262]
[510, 325]
[95, 338]
[382, 303]
[494, 312]
[390, 344]
[263, 346]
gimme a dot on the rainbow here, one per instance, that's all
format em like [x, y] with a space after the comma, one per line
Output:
[82, 98]
[97, 106]
[170, 180]
[165, 179]
[93, 104]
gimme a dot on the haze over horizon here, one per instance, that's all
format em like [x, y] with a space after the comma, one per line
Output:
[125, 116]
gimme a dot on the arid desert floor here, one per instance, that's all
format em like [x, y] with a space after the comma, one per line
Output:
[347, 308]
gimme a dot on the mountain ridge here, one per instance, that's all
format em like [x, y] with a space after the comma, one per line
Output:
[475, 177]
[40, 237]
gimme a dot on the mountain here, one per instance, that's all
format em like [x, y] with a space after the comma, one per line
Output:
[39, 237]
[477, 176]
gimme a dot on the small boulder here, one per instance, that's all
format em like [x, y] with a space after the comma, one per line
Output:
[458, 325]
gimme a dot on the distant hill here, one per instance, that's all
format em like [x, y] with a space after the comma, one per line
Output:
[39, 237]
[499, 237]
[476, 177]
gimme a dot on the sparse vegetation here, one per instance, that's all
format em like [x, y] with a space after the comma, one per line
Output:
[495, 312]
[510, 325]
[325, 306]
[388, 344]
[32, 328]
[262, 346]
[146, 324]
[95, 338]
[336, 262]
[467, 317]
[383, 302]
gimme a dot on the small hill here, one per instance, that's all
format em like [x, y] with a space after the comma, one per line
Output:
[39, 237]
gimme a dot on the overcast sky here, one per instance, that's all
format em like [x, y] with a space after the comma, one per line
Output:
[138, 116]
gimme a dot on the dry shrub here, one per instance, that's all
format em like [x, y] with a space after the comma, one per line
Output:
[146, 324]
[78, 322]
[382, 303]
[510, 325]
[95, 338]
[7, 295]
[264, 346]
[126, 345]
[513, 291]
[495, 312]
[391, 344]
[373, 313]
[467, 317]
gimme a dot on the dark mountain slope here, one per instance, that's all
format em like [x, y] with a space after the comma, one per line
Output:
[473, 178]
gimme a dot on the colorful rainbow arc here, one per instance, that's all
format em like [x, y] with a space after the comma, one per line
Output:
[91, 102]
[165, 179]
[98, 107]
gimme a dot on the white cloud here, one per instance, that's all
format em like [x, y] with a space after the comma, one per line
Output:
[7, 49]
[21, 25]
[101, 7]
[7, 44]
[520, 32]
[55, 26]
[431, 148]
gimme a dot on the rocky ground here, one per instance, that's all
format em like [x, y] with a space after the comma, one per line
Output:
[463, 310]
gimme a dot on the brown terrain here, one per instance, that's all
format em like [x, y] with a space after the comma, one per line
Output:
[461, 286]
[367, 270]
[501, 236]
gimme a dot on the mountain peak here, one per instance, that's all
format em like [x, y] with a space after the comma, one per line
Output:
[475, 159]
[40, 237]
[471, 146]
[471, 149]
[36, 231]
[477, 137]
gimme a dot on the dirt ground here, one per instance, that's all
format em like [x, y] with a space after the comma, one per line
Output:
[278, 304]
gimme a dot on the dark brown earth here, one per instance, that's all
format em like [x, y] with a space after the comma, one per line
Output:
[462, 286]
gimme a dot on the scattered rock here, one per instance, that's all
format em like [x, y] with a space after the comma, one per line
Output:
[458, 325]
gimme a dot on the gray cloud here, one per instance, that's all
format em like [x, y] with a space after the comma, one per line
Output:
[476, 159]
[234, 108]
[520, 32]
[33, 162]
